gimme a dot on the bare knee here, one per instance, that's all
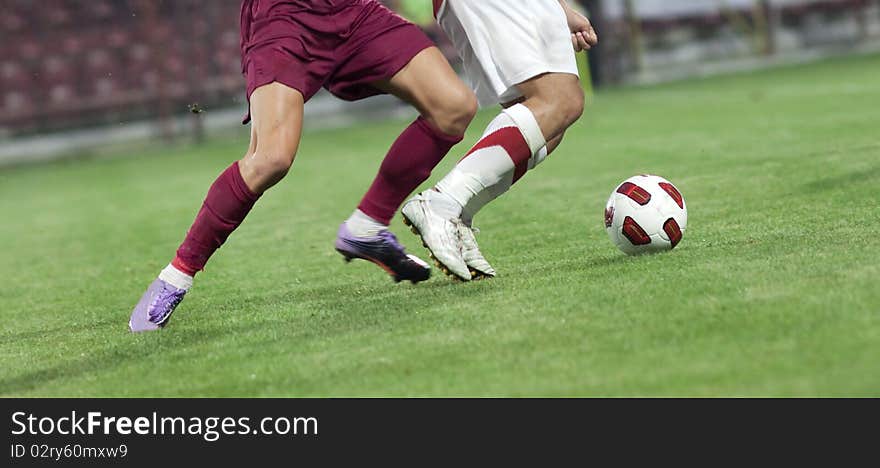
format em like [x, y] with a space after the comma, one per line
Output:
[569, 103]
[275, 164]
[557, 100]
[265, 167]
[277, 112]
[454, 112]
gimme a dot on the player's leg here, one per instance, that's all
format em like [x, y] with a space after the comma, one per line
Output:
[277, 112]
[277, 118]
[518, 140]
[554, 143]
[386, 54]
[529, 41]
[488, 170]
[551, 103]
[429, 84]
[446, 106]
[556, 100]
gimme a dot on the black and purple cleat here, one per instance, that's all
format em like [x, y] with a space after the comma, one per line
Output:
[155, 307]
[385, 251]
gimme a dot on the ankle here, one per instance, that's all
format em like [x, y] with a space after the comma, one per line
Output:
[443, 204]
[361, 224]
[175, 277]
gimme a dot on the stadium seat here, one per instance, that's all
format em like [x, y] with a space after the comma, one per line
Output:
[78, 62]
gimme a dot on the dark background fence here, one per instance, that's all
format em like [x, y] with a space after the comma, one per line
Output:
[79, 63]
[86, 62]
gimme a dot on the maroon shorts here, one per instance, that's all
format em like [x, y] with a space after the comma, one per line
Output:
[341, 45]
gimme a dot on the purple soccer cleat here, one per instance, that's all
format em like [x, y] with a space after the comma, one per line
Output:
[155, 307]
[385, 251]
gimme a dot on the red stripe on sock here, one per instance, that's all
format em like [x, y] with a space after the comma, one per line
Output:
[520, 171]
[513, 142]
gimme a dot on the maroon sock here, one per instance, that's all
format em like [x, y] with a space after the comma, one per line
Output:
[228, 202]
[409, 162]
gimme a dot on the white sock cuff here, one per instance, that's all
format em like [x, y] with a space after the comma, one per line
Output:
[538, 158]
[525, 120]
[500, 121]
[176, 278]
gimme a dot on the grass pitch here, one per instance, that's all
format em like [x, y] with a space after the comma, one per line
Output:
[773, 290]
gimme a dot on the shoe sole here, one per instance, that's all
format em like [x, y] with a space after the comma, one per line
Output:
[477, 275]
[442, 267]
[348, 257]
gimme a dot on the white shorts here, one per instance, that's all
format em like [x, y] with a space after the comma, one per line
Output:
[503, 43]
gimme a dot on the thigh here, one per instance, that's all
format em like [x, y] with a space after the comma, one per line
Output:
[380, 45]
[479, 71]
[276, 127]
[276, 107]
[555, 86]
[505, 43]
[428, 83]
[286, 45]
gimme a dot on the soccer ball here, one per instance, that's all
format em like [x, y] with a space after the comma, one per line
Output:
[645, 214]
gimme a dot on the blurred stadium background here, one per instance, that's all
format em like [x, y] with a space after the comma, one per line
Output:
[773, 291]
[78, 74]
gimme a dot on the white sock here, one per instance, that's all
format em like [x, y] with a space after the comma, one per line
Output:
[487, 173]
[483, 198]
[362, 225]
[538, 157]
[176, 278]
[444, 205]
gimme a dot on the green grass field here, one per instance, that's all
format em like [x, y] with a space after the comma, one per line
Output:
[773, 292]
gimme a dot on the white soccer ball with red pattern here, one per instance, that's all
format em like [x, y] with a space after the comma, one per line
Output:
[646, 214]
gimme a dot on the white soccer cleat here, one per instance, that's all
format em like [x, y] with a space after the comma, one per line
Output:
[439, 234]
[470, 251]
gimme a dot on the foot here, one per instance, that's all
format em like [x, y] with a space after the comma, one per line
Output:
[439, 235]
[155, 307]
[385, 251]
[479, 266]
